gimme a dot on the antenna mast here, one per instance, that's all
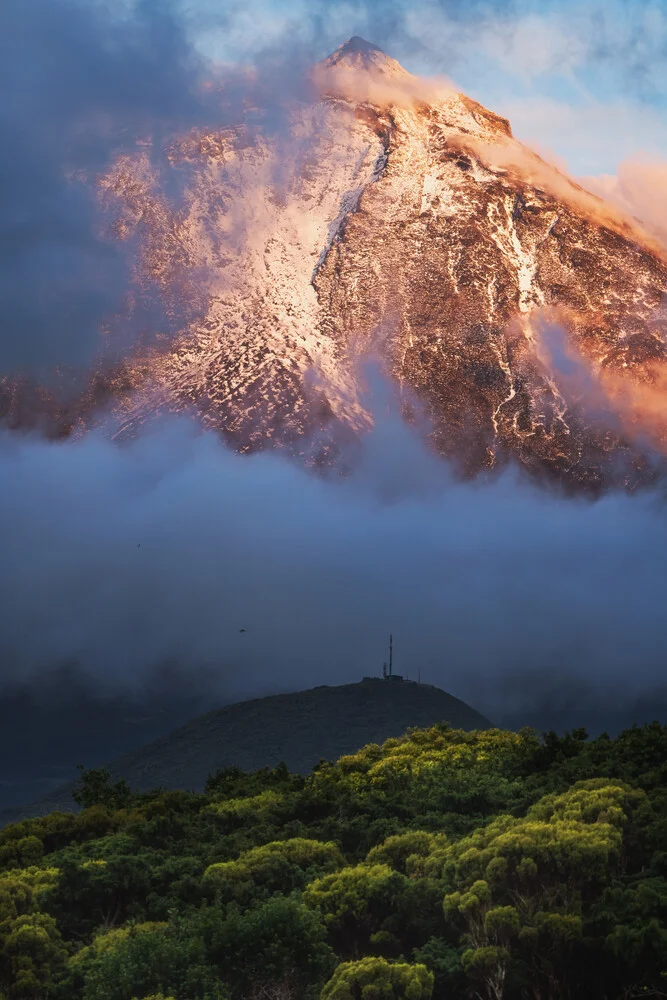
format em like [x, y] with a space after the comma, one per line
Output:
[391, 652]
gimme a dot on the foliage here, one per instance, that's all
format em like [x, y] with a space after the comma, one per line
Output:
[444, 863]
[32, 952]
[522, 886]
[279, 942]
[377, 979]
[280, 866]
[402, 851]
[151, 959]
[94, 788]
[233, 783]
[355, 903]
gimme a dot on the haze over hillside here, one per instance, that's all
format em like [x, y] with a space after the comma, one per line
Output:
[298, 729]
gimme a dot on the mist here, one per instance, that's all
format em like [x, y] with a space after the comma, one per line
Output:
[121, 560]
[78, 85]
[81, 85]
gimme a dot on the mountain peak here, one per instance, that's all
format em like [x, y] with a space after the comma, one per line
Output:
[358, 54]
[358, 44]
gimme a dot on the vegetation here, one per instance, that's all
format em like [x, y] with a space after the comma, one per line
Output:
[298, 728]
[443, 865]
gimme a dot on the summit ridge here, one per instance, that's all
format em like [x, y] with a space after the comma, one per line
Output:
[358, 55]
[358, 44]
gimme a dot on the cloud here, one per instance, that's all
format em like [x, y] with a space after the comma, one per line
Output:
[587, 79]
[530, 41]
[382, 82]
[591, 136]
[82, 84]
[78, 84]
[121, 559]
[525, 40]
[639, 188]
[632, 407]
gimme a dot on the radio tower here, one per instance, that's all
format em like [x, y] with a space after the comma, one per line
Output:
[391, 652]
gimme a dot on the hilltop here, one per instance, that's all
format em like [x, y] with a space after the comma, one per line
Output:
[298, 729]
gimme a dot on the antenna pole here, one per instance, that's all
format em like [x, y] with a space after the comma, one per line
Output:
[391, 652]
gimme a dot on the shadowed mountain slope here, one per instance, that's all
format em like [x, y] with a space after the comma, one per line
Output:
[299, 729]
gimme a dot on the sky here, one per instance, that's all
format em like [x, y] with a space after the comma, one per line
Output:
[584, 80]
[123, 559]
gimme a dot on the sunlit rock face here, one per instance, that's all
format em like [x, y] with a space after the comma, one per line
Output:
[393, 218]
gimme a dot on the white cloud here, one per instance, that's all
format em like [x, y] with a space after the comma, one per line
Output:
[592, 138]
[639, 188]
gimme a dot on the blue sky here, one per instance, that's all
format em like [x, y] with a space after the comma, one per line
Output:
[584, 80]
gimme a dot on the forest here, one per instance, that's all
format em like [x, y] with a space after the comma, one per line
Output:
[442, 865]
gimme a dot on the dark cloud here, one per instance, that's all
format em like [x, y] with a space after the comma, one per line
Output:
[77, 84]
[118, 560]
[81, 84]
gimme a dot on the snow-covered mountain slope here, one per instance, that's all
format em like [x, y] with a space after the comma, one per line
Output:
[396, 218]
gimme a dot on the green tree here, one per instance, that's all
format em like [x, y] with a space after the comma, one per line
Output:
[280, 943]
[21, 852]
[403, 850]
[443, 959]
[280, 866]
[232, 782]
[94, 788]
[630, 918]
[141, 961]
[521, 885]
[96, 893]
[377, 979]
[155, 996]
[32, 952]
[355, 903]
[504, 863]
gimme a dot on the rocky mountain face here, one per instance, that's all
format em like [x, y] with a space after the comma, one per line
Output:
[396, 219]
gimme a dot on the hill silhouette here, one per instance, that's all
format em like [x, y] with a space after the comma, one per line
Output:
[299, 728]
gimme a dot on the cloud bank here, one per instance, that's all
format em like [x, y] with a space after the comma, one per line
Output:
[78, 83]
[120, 560]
